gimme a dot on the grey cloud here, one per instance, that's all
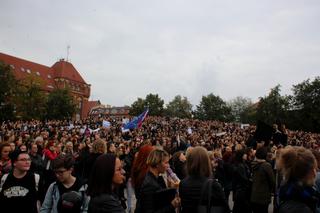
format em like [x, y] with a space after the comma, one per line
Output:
[127, 49]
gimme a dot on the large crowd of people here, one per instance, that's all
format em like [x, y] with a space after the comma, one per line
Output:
[166, 165]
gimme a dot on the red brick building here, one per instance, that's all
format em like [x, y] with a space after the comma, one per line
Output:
[60, 75]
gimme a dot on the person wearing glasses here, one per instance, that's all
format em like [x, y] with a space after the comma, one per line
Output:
[67, 193]
[106, 176]
[19, 188]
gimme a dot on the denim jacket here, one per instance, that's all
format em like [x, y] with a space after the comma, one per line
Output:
[50, 202]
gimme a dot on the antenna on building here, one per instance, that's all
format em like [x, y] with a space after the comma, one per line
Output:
[68, 48]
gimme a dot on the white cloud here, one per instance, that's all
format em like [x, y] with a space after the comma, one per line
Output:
[127, 49]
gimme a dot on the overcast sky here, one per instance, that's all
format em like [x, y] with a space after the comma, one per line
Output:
[129, 48]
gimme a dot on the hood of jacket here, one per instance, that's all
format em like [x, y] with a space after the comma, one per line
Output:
[255, 165]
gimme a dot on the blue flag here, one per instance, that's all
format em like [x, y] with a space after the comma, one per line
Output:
[136, 122]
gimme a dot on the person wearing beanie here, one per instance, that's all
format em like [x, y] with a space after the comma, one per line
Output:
[20, 186]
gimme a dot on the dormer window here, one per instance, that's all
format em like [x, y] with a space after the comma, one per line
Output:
[28, 71]
[38, 73]
[22, 69]
[12, 66]
[49, 76]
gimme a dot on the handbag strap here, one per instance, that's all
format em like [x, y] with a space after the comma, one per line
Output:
[209, 195]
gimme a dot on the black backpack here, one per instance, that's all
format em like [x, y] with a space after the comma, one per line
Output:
[71, 201]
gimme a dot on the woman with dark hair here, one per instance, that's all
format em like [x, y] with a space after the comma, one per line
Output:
[106, 175]
[198, 172]
[81, 159]
[99, 147]
[178, 164]
[111, 148]
[299, 167]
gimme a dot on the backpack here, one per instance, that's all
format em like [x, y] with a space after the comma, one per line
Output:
[71, 201]
[5, 176]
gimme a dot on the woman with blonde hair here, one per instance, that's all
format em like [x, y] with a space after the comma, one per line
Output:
[68, 148]
[153, 184]
[199, 171]
[299, 167]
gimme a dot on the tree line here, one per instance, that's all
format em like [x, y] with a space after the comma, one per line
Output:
[24, 99]
[300, 111]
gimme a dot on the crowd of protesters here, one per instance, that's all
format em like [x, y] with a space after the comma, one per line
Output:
[168, 165]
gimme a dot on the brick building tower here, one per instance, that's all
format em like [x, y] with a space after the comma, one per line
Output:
[61, 75]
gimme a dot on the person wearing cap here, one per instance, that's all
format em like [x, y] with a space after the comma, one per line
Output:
[19, 188]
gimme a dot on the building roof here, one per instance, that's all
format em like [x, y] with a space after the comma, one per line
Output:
[64, 69]
[61, 69]
[23, 68]
[52, 77]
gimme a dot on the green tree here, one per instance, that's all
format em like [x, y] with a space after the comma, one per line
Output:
[306, 104]
[155, 104]
[137, 107]
[179, 107]
[7, 92]
[239, 106]
[30, 99]
[249, 114]
[60, 105]
[274, 107]
[213, 107]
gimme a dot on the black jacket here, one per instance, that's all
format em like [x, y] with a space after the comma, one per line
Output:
[190, 193]
[105, 203]
[263, 182]
[147, 201]
[241, 183]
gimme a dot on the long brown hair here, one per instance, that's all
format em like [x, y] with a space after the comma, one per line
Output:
[198, 162]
